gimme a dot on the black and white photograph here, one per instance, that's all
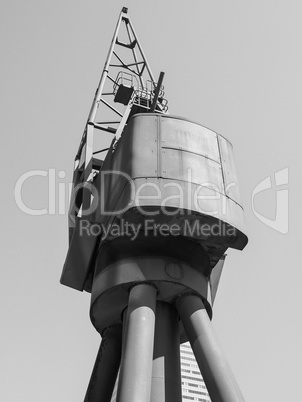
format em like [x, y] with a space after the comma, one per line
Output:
[151, 201]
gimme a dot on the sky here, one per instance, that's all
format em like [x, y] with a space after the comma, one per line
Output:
[234, 67]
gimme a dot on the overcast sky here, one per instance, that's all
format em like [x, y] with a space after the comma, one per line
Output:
[233, 66]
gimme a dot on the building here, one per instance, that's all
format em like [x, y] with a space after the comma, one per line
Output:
[193, 386]
[113, 398]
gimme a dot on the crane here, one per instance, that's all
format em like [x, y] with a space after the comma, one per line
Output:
[152, 214]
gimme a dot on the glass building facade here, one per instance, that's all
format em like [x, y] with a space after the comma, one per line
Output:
[193, 386]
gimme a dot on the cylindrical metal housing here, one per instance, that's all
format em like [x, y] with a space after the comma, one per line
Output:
[171, 276]
[170, 170]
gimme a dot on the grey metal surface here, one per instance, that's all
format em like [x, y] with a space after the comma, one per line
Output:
[166, 377]
[148, 135]
[172, 277]
[170, 153]
[229, 170]
[191, 137]
[191, 167]
[212, 363]
[78, 260]
[106, 366]
[175, 172]
[136, 364]
[215, 277]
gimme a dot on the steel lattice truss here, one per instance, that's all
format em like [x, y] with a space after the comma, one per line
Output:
[126, 87]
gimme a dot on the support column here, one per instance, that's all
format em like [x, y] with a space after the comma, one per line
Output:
[136, 364]
[166, 377]
[106, 366]
[212, 363]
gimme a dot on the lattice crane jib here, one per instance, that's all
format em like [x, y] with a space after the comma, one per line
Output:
[127, 86]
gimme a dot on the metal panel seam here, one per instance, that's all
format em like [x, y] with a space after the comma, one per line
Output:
[222, 172]
[190, 152]
[159, 147]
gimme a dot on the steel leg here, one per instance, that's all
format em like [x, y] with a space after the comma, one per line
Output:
[214, 368]
[166, 378]
[136, 364]
[106, 366]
